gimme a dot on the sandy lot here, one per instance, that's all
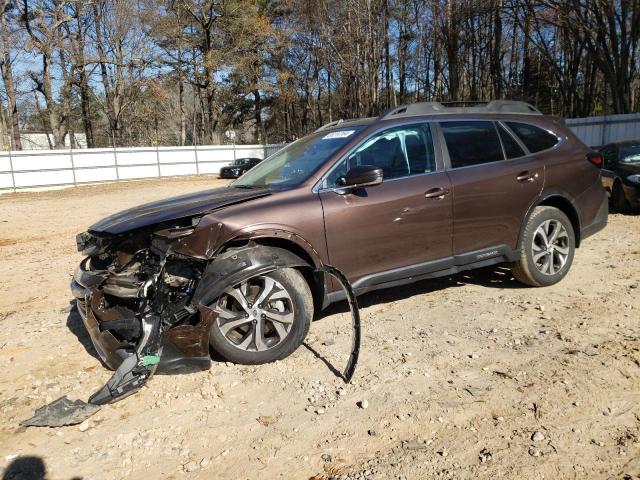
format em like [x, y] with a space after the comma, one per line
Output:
[457, 374]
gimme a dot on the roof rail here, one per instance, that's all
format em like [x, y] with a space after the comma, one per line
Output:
[437, 108]
[346, 123]
[330, 124]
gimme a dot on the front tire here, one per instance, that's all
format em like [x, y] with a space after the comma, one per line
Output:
[547, 247]
[263, 319]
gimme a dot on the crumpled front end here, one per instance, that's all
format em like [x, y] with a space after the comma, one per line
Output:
[147, 306]
[127, 279]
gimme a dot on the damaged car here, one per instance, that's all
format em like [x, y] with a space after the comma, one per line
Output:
[424, 190]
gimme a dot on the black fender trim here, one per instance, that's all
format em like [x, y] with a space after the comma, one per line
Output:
[546, 195]
[356, 327]
[236, 265]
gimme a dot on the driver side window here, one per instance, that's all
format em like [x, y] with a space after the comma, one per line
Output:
[400, 152]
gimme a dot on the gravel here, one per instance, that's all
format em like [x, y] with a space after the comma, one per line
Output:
[537, 437]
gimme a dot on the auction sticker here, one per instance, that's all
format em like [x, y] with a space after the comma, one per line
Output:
[339, 134]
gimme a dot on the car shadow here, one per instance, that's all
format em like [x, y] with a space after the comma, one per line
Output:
[490, 277]
[627, 213]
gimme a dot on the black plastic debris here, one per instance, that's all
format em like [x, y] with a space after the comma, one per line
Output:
[350, 369]
[137, 368]
[60, 413]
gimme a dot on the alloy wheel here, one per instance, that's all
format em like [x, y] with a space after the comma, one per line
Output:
[256, 315]
[550, 247]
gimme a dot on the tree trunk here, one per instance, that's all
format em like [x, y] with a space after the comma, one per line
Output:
[83, 83]
[7, 76]
[257, 112]
[56, 123]
[112, 115]
[451, 46]
[387, 56]
[496, 60]
[183, 117]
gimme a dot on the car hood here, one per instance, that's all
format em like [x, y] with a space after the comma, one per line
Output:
[174, 208]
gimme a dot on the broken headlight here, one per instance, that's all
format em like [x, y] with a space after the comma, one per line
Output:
[90, 244]
[162, 240]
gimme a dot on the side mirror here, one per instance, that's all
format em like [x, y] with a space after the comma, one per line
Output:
[361, 176]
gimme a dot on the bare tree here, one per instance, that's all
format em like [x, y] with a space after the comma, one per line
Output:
[610, 32]
[6, 68]
[123, 57]
[76, 31]
[43, 21]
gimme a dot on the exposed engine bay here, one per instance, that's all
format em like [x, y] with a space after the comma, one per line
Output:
[148, 307]
[134, 295]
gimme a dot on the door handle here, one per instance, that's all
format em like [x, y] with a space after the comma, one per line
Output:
[438, 192]
[527, 177]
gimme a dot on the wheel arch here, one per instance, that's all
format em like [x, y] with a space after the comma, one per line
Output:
[294, 244]
[563, 202]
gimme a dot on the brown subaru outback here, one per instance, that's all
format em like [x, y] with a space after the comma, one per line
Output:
[423, 191]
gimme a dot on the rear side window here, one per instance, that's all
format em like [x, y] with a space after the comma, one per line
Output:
[534, 138]
[471, 143]
[511, 147]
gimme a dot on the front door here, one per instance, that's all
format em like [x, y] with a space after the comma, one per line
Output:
[404, 221]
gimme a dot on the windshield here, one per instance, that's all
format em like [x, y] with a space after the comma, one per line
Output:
[630, 153]
[296, 162]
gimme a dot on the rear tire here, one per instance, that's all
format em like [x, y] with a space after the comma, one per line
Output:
[263, 319]
[547, 247]
[619, 199]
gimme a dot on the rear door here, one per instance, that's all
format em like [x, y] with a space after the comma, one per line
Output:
[404, 221]
[494, 181]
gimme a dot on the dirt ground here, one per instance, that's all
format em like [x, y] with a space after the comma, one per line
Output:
[456, 374]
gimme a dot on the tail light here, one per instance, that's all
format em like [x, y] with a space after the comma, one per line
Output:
[596, 158]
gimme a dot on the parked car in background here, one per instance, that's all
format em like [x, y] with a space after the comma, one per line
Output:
[239, 167]
[420, 192]
[621, 174]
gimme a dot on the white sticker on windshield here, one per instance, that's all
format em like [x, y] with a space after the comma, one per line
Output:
[339, 134]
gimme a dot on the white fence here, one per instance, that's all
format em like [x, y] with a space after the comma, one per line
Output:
[598, 131]
[46, 168]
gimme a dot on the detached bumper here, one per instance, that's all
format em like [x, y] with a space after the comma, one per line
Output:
[110, 350]
[115, 329]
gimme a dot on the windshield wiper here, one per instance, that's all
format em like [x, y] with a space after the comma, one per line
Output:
[248, 187]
